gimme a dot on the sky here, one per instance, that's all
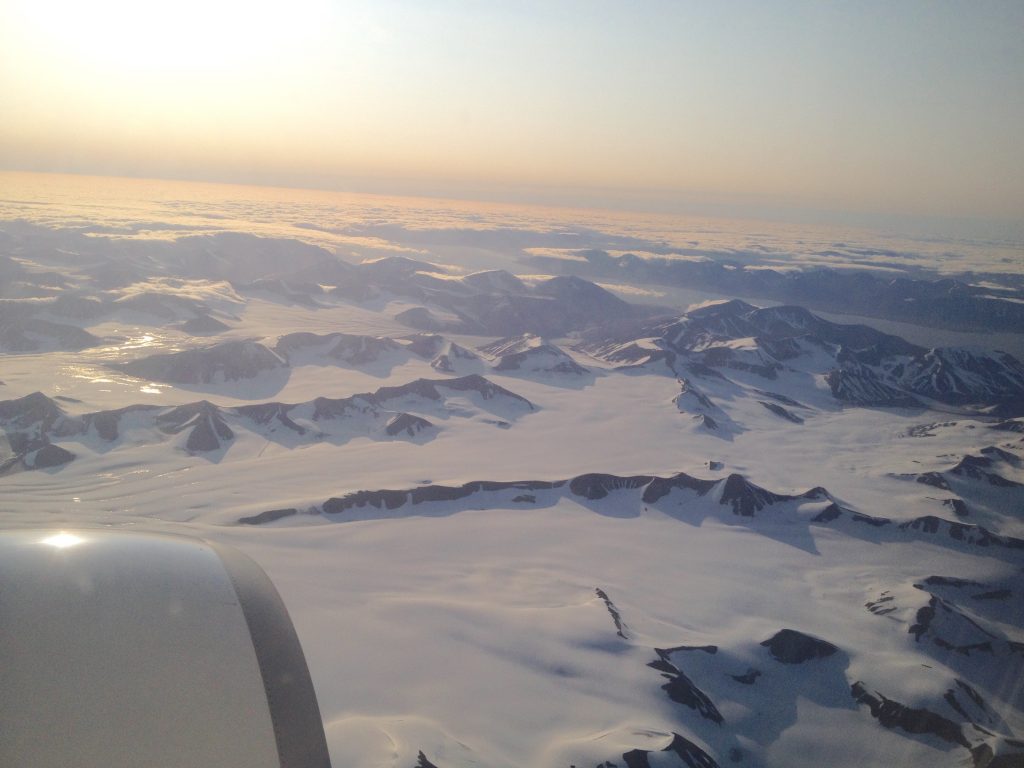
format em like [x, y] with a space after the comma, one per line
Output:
[881, 108]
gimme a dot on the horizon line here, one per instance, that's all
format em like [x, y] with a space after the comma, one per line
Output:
[526, 196]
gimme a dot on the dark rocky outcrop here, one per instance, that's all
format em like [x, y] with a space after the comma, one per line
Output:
[690, 396]
[431, 389]
[388, 499]
[955, 626]
[743, 497]
[928, 430]
[443, 363]
[746, 498]
[949, 581]
[722, 356]
[705, 412]
[781, 412]
[423, 762]
[934, 479]
[747, 678]
[884, 605]
[1009, 425]
[938, 617]
[424, 345]
[961, 376]
[407, 423]
[995, 453]
[892, 714]
[780, 398]
[449, 360]
[271, 414]
[688, 754]
[660, 487]
[945, 531]
[981, 468]
[203, 325]
[596, 486]
[208, 429]
[31, 410]
[28, 420]
[49, 456]
[483, 387]
[969, 534]
[378, 499]
[708, 422]
[958, 506]
[985, 757]
[832, 512]
[106, 424]
[681, 689]
[620, 627]
[792, 647]
[858, 384]
[268, 517]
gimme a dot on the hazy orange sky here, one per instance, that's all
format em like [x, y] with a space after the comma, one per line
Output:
[905, 107]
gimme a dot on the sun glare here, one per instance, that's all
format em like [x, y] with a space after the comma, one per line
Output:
[62, 540]
[127, 37]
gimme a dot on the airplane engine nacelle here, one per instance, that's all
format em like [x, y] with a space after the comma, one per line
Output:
[129, 649]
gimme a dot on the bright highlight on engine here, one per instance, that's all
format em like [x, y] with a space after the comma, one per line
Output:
[63, 540]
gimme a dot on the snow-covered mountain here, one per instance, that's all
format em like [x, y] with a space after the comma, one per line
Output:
[521, 521]
[862, 366]
[23, 329]
[34, 423]
[529, 353]
[224, 362]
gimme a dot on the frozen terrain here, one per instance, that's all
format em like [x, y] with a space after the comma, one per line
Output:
[529, 515]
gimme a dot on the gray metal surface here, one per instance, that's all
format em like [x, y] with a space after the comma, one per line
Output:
[126, 649]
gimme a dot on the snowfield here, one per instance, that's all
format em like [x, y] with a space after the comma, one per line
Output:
[555, 528]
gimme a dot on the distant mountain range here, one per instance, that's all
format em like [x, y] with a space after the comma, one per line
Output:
[733, 499]
[32, 423]
[862, 366]
[946, 303]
